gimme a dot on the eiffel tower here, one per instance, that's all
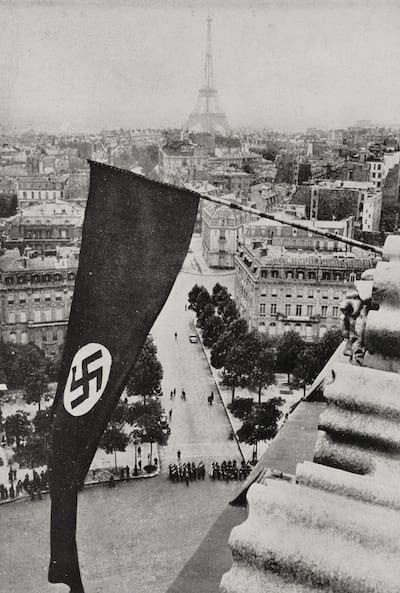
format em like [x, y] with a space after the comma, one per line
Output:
[208, 115]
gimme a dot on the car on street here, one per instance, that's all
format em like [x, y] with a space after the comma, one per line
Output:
[193, 339]
[164, 424]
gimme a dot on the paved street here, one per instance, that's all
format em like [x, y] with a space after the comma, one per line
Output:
[131, 539]
[200, 431]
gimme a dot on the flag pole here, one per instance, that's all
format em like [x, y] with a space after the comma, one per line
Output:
[255, 211]
[297, 225]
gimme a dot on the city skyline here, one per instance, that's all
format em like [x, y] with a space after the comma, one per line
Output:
[85, 66]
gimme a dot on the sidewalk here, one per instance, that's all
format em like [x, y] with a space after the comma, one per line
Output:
[101, 469]
[280, 389]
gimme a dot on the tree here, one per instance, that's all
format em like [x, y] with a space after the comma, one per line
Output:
[152, 432]
[192, 296]
[138, 409]
[212, 330]
[263, 371]
[17, 427]
[147, 373]
[229, 312]
[232, 335]
[220, 296]
[207, 312]
[203, 299]
[236, 367]
[307, 367]
[34, 452]
[289, 348]
[261, 423]
[114, 439]
[42, 424]
[35, 387]
[327, 345]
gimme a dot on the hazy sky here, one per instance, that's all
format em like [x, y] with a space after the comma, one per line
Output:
[286, 65]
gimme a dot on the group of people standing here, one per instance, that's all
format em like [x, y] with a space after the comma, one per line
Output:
[187, 472]
[229, 470]
[34, 487]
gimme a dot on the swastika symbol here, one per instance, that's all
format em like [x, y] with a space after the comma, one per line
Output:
[87, 378]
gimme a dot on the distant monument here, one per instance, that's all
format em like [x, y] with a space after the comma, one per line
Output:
[208, 115]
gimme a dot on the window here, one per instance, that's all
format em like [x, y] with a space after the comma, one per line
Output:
[336, 295]
[324, 311]
[310, 310]
[352, 277]
[59, 314]
[310, 293]
[47, 297]
[22, 299]
[287, 309]
[36, 297]
[10, 299]
[272, 329]
[299, 293]
[324, 294]
[335, 311]
[273, 308]
[11, 318]
[298, 310]
[300, 275]
[289, 275]
[275, 274]
[274, 291]
[311, 275]
[288, 294]
[262, 308]
[263, 291]
[22, 316]
[38, 316]
[47, 314]
[58, 296]
[264, 274]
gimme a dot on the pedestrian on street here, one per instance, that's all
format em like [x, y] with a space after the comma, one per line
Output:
[139, 451]
[14, 474]
[185, 307]
[170, 414]
[10, 475]
[178, 454]
[127, 472]
[174, 391]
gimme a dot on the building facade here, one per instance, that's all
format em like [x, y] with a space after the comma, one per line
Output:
[38, 188]
[35, 299]
[44, 227]
[276, 294]
[221, 233]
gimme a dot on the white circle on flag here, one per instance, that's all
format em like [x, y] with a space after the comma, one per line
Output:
[87, 378]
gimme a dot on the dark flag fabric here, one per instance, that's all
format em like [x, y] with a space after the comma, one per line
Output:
[135, 236]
